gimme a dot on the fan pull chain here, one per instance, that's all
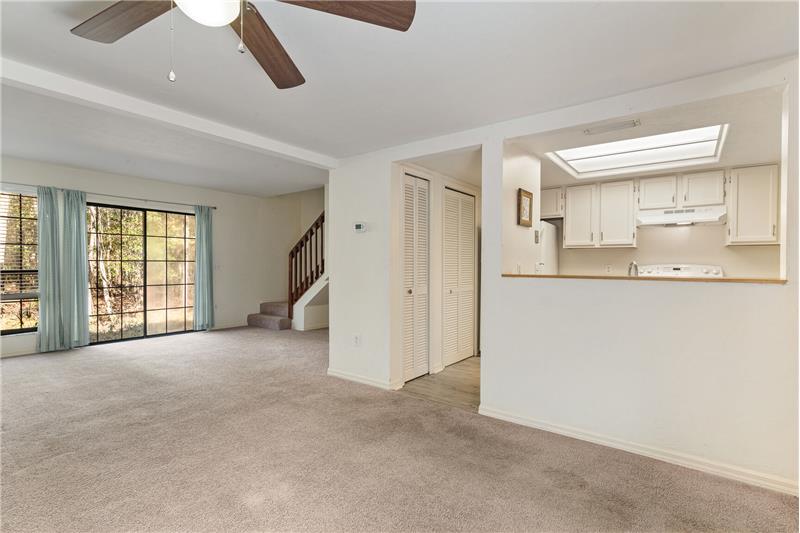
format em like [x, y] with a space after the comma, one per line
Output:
[242, 7]
[171, 76]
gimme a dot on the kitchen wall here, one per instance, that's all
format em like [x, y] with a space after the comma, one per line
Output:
[703, 375]
[702, 244]
[252, 235]
[520, 171]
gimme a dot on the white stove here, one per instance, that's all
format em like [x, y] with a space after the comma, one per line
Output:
[681, 271]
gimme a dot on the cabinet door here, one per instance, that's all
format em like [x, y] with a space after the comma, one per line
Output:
[657, 193]
[753, 216]
[617, 217]
[551, 205]
[579, 216]
[703, 188]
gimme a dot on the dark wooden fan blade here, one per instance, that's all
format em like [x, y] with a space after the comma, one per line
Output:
[268, 50]
[393, 14]
[120, 19]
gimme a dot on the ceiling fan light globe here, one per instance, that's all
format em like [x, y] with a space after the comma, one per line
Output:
[214, 13]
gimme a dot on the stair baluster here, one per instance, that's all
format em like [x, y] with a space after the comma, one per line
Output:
[306, 261]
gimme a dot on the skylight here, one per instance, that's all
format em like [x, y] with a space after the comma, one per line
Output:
[655, 152]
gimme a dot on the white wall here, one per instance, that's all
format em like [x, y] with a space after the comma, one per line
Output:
[698, 374]
[520, 171]
[703, 245]
[359, 266]
[252, 235]
[310, 203]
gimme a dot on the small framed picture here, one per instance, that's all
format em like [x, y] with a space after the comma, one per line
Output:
[524, 208]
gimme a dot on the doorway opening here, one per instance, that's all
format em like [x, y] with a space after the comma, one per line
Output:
[440, 342]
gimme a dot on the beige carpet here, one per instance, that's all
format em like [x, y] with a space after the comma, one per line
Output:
[242, 430]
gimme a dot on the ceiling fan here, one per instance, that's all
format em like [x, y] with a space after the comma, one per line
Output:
[121, 18]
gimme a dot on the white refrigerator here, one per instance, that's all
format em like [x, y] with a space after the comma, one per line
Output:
[548, 249]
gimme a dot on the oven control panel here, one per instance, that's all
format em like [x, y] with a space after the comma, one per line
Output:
[681, 271]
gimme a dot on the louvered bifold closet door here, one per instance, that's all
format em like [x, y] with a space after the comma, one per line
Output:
[416, 228]
[466, 277]
[452, 208]
[458, 320]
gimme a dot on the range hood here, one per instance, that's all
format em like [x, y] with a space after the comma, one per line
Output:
[713, 214]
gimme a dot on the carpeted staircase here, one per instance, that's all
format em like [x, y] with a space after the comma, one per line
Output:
[273, 315]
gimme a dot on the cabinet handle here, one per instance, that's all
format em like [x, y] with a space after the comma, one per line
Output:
[591, 236]
[673, 198]
[773, 230]
[684, 197]
[601, 235]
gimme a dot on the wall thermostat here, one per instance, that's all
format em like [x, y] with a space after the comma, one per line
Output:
[359, 227]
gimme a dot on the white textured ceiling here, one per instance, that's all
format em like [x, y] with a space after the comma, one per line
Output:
[460, 65]
[464, 165]
[754, 136]
[754, 120]
[53, 130]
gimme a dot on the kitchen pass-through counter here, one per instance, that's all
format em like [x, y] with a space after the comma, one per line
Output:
[650, 278]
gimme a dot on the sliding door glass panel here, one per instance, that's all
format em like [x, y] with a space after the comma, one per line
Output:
[141, 272]
[115, 242]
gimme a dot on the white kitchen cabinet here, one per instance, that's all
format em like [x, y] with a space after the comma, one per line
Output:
[753, 205]
[703, 188]
[658, 193]
[580, 216]
[552, 202]
[617, 214]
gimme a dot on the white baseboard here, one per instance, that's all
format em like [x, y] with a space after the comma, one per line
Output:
[313, 325]
[385, 385]
[737, 473]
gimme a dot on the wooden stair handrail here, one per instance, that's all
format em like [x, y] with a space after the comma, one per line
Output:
[306, 261]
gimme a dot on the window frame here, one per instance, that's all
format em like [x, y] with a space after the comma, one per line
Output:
[22, 297]
[144, 211]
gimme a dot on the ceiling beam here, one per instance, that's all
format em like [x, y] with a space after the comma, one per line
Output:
[27, 77]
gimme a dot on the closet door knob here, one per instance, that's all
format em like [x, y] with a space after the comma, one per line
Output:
[409, 291]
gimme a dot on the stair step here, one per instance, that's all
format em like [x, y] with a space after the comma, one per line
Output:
[262, 320]
[275, 308]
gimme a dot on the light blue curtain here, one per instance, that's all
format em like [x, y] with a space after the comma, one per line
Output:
[49, 335]
[74, 272]
[204, 265]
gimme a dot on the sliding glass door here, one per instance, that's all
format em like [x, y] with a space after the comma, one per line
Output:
[141, 272]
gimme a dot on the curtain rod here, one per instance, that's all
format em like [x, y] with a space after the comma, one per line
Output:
[115, 196]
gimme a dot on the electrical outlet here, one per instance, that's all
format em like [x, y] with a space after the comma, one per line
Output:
[356, 340]
[609, 270]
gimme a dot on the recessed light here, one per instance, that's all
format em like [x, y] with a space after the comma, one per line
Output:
[654, 152]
